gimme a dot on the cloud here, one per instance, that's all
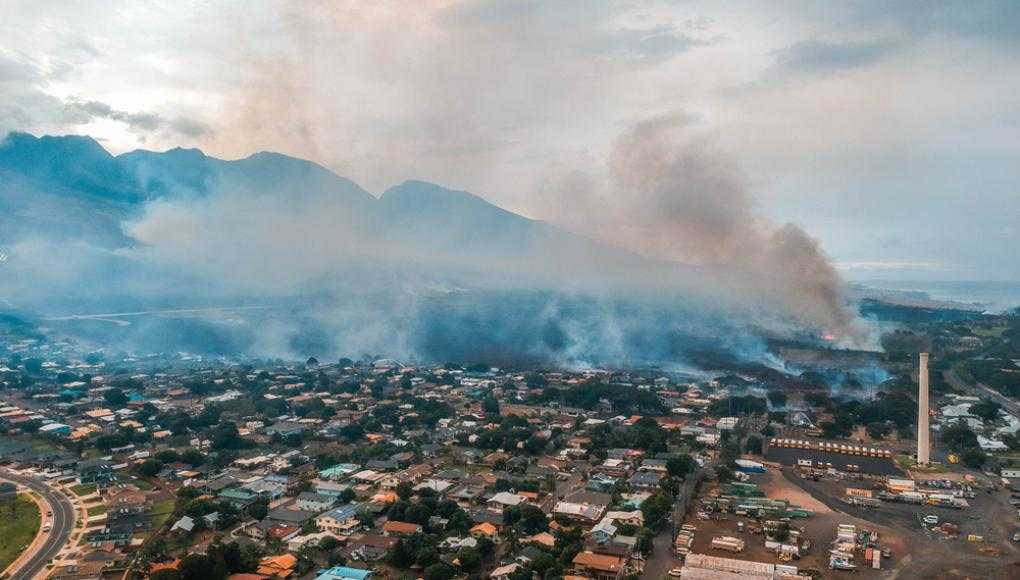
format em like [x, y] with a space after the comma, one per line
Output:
[815, 56]
[83, 112]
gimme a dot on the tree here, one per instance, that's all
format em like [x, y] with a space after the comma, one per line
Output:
[753, 445]
[469, 559]
[986, 409]
[149, 467]
[974, 458]
[490, 405]
[959, 437]
[655, 509]
[680, 466]
[168, 574]
[404, 490]
[645, 539]
[878, 430]
[782, 532]
[439, 571]
[347, 495]
[532, 519]
[201, 567]
[115, 397]
[193, 457]
[486, 546]
[258, 510]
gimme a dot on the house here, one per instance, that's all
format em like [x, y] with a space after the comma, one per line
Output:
[329, 487]
[341, 520]
[281, 566]
[371, 547]
[579, 512]
[645, 480]
[603, 531]
[599, 566]
[94, 471]
[344, 573]
[315, 502]
[238, 497]
[505, 499]
[633, 518]
[504, 572]
[485, 530]
[393, 528]
[544, 539]
[288, 515]
[285, 429]
[528, 555]
[437, 485]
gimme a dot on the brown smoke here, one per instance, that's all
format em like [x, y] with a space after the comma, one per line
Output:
[673, 196]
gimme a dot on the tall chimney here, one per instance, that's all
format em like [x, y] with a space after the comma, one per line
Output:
[922, 411]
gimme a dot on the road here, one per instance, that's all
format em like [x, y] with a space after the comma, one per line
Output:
[63, 523]
[980, 390]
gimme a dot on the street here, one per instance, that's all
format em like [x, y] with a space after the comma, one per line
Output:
[63, 522]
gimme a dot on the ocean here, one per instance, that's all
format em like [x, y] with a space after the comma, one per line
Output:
[993, 296]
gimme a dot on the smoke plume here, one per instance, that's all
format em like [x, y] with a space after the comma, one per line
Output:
[670, 194]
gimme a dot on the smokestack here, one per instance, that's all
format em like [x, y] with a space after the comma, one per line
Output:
[922, 411]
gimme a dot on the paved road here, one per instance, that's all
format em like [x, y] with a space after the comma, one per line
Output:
[63, 523]
[980, 390]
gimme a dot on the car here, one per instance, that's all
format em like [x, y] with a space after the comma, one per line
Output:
[931, 519]
[675, 572]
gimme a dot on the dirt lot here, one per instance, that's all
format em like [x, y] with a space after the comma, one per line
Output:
[921, 553]
[917, 553]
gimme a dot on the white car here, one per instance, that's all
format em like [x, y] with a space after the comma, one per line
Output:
[931, 519]
[674, 572]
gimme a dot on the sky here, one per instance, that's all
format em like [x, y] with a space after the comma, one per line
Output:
[887, 130]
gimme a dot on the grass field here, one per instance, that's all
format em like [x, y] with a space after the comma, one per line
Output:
[19, 522]
[97, 509]
[84, 489]
[160, 513]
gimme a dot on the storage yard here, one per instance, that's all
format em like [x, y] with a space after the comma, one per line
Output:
[838, 523]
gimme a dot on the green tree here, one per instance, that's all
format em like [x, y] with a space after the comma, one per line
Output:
[655, 509]
[115, 397]
[680, 466]
[149, 467]
[958, 437]
[469, 559]
[753, 445]
[974, 458]
[987, 409]
[439, 571]
[490, 405]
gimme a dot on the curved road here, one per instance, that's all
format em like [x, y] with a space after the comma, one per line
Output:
[63, 522]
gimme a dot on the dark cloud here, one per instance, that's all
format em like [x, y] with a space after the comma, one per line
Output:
[816, 56]
[82, 112]
[23, 102]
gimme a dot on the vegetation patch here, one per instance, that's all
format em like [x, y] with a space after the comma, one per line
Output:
[19, 523]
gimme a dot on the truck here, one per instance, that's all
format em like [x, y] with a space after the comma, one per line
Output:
[728, 543]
